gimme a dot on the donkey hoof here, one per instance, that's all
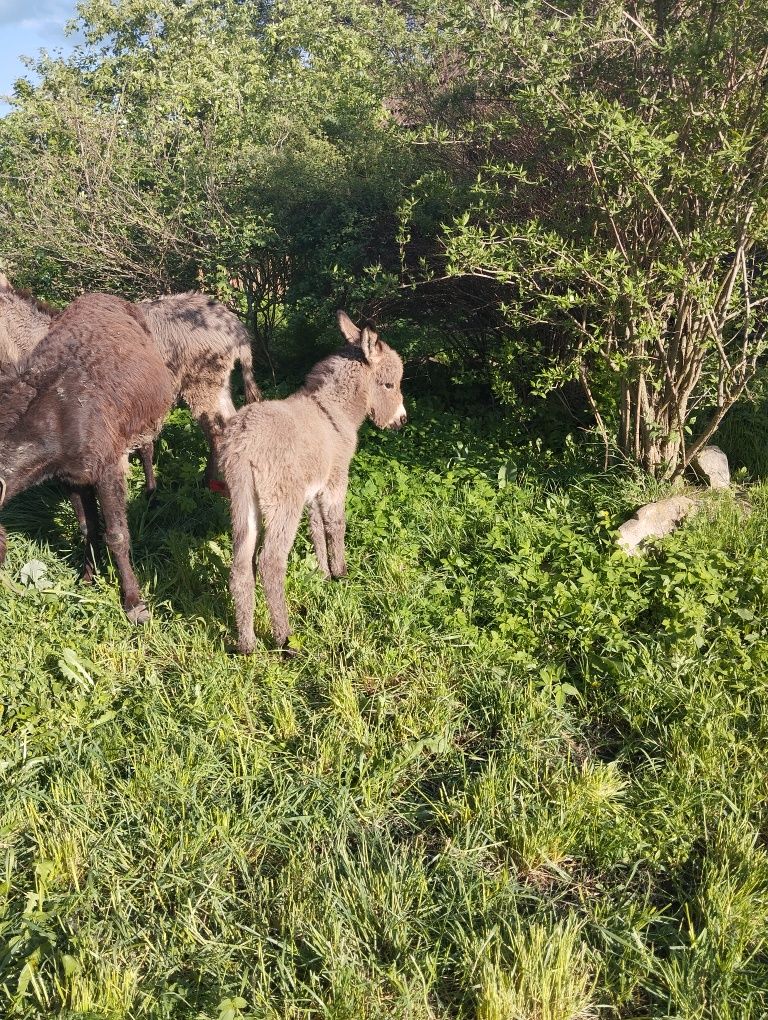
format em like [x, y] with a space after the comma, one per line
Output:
[139, 614]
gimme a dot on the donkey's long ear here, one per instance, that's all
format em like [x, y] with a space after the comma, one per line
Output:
[349, 330]
[369, 344]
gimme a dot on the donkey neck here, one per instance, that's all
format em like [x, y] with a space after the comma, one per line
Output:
[339, 387]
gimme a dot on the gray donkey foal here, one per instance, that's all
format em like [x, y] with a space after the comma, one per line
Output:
[281, 455]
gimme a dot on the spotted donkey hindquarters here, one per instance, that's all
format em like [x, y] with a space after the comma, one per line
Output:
[282, 455]
[200, 341]
[94, 387]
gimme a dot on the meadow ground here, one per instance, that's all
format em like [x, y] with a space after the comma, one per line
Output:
[513, 774]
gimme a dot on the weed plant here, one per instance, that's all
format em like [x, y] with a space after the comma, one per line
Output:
[513, 774]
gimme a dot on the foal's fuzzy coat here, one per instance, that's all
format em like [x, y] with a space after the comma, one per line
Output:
[94, 387]
[281, 455]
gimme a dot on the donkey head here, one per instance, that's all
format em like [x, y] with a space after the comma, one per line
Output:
[385, 400]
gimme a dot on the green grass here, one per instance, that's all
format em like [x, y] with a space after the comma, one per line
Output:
[514, 775]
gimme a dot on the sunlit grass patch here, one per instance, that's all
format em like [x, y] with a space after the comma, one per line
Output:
[512, 773]
[548, 978]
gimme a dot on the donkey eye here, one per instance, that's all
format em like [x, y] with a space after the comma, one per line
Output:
[389, 385]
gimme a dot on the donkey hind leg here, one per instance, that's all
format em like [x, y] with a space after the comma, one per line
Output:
[213, 423]
[245, 539]
[111, 493]
[317, 533]
[280, 531]
[83, 501]
[332, 509]
[146, 456]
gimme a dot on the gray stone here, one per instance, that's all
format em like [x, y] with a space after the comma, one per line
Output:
[711, 464]
[654, 520]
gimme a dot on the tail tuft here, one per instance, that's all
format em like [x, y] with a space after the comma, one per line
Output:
[245, 357]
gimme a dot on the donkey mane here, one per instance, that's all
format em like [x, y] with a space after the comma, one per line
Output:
[324, 372]
[181, 294]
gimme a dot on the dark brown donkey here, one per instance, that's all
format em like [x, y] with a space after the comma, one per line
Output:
[95, 387]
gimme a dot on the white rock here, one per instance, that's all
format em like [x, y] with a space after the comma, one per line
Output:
[654, 520]
[712, 464]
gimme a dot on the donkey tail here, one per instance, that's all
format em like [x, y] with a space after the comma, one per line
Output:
[245, 357]
[238, 476]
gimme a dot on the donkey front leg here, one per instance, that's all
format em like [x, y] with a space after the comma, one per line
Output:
[18, 477]
[111, 493]
[332, 508]
[83, 500]
[280, 532]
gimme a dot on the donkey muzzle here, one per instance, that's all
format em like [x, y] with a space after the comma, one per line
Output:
[399, 419]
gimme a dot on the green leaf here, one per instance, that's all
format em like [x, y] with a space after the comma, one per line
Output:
[73, 667]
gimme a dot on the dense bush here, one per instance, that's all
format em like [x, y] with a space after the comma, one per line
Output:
[618, 204]
[222, 145]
